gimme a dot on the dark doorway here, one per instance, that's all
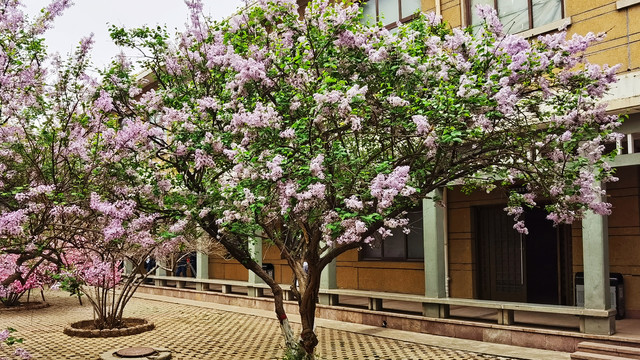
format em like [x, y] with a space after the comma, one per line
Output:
[517, 267]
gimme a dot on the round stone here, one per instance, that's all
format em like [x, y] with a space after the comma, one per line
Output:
[133, 352]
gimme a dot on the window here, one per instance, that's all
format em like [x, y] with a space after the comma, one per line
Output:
[399, 246]
[519, 15]
[390, 11]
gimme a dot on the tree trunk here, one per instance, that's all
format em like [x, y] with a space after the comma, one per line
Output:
[285, 326]
[308, 338]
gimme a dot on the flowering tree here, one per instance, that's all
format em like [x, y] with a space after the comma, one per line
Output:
[93, 263]
[319, 133]
[26, 247]
[62, 203]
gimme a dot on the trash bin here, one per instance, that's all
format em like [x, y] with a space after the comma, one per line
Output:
[616, 288]
[269, 269]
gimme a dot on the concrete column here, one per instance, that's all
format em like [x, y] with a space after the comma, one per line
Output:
[255, 247]
[202, 270]
[128, 267]
[160, 272]
[328, 281]
[434, 262]
[595, 254]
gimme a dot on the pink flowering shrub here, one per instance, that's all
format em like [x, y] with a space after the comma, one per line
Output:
[320, 132]
[30, 275]
[94, 263]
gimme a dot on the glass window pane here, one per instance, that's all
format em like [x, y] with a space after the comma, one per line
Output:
[475, 20]
[394, 245]
[514, 15]
[373, 250]
[546, 11]
[415, 245]
[369, 12]
[409, 7]
[389, 11]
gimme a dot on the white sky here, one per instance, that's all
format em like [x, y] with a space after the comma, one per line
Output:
[95, 16]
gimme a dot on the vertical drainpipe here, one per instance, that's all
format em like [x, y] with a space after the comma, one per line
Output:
[438, 7]
[445, 219]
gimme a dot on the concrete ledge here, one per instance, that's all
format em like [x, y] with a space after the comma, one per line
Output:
[374, 296]
[432, 307]
[621, 4]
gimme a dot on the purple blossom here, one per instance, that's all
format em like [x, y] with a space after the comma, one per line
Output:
[422, 125]
[289, 133]
[208, 103]
[379, 55]
[203, 160]
[11, 223]
[275, 171]
[316, 166]
[396, 101]
[489, 15]
[104, 102]
[520, 227]
[353, 203]
[386, 187]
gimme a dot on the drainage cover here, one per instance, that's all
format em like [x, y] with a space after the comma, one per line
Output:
[134, 352]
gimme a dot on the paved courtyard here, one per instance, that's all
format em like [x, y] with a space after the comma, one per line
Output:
[201, 332]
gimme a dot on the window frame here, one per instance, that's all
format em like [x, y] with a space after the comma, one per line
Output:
[468, 13]
[394, 24]
[405, 258]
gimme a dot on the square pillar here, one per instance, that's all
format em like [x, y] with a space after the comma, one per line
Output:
[202, 270]
[160, 272]
[255, 248]
[595, 254]
[328, 281]
[128, 267]
[433, 226]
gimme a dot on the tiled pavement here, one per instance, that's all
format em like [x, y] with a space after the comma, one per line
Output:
[195, 330]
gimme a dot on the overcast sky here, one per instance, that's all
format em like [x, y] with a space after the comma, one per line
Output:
[95, 16]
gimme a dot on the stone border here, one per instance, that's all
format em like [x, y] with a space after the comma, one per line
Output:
[136, 326]
[26, 306]
[160, 354]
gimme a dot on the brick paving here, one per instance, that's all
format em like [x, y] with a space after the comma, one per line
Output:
[194, 332]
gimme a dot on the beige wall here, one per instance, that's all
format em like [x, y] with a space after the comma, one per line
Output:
[394, 276]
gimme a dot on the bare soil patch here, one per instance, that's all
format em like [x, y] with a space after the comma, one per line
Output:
[32, 305]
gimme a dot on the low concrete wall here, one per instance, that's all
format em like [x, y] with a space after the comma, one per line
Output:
[557, 340]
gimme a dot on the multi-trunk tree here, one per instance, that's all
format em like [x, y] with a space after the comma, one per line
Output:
[318, 132]
[66, 206]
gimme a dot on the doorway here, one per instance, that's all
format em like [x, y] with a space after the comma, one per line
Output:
[533, 268]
